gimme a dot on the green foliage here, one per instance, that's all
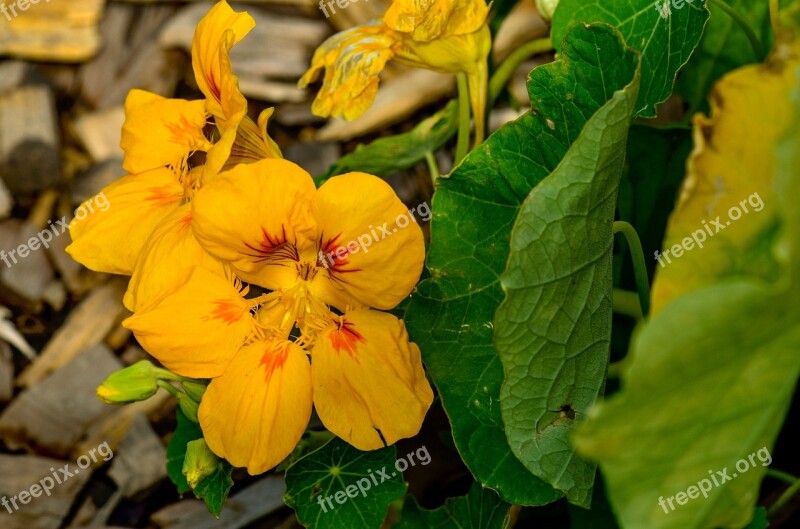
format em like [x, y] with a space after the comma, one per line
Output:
[339, 487]
[479, 509]
[666, 43]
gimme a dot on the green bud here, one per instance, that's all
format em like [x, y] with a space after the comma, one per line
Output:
[546, 8]
[195, 390]
[132, 384]
[200, 462]
[188, 406]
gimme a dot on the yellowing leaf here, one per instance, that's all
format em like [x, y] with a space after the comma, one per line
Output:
[727, 197]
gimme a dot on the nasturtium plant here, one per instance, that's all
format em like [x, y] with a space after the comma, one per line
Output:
[311, 327]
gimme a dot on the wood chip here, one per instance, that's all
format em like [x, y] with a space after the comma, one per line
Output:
[53, 415]
[24, 270]
[6, 373]
[20, 473]
[86, 326]
[139, 464]
[101, 132]
[252, 503]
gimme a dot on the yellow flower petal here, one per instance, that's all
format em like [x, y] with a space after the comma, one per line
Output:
[159, 131]
[255, 414]
[352, 61]
[368, 377]
[216, 34]
[110, 241]
[255, 217]
[427, 20]
[196, 328]
[373, 249]
[166, 258]
[460, 53]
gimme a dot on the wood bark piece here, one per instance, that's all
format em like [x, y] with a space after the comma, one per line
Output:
[30, 158]
[52, 416]
[139, 464]
[19, 473]
[6, 373]
[53, 31]
[252, 503]
[25, 276]
[86, 326]
[101, 132]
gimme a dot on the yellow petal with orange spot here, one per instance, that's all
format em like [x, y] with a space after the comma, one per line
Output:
[196, 328]
[255, 414]
[368, 378]
[159, 131]
[427, 20]
[215, 35]
[166, 258]
[255, 217]
[373, 249]
[111, 240]
[351, 61]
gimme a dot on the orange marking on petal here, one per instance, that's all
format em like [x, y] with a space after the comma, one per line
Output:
[274, 358]
[212, 84]
[163, 195]
[186, 221]
[226, 311]
[345, 337]
[183, 133]
[273, 247]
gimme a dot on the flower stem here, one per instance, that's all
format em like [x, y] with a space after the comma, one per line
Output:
[784, 498]
[627, 303]
[462, 146]
[169, 387]
[433, 167]
[504, 72]
[639, 267]
[787, 478]
[748, 31]
[774, 16]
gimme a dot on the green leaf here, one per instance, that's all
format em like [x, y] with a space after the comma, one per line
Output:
[724, 47]
[396, 153]
[479, 509]
[185, 432]
[451, 315]
[759, 520]
[339, 487]
[214, 489]
[666, 43]
[554, 328]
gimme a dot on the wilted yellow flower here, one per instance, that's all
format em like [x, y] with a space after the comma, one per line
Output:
[440, 35]
[271, 227]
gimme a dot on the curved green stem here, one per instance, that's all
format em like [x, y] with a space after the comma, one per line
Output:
[504, 72]
[748, 31]
[433, 167]
[639, 267]
[627, 303]
[462, 147]
[787, 478]
[169, 387]
[784, 498]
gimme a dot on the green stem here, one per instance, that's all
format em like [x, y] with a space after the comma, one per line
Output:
[787, 478]
[784, 499]
[462, 146]
[504, 72]
[639, 267]
[748, 31]
[774, 16]
[433, 167]
[169, 387]
[627, 303]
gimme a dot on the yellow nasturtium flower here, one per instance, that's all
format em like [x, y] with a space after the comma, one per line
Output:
[442, 35]
[161, 139]
[350, 245]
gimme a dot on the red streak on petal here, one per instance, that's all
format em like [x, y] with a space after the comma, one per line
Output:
[186, 221]
[163, 195]
[347, 338]
[274, 358]
[212, 84]
[272, 248]
[227, 311]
